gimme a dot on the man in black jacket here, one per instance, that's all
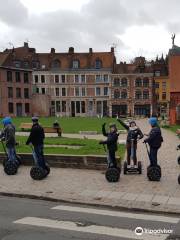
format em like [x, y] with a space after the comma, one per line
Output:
[111, 142]
[154, 140]
[36, 138]
[134, 134]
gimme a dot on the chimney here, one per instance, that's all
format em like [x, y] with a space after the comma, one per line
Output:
[53, 50]
[112, 49]
[90, 50]
[71, 50]
[26, 45]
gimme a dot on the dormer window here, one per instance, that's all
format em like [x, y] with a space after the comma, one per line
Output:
[98, 64]
[56, 64]
[17, 64]
[26, 64]
[35, 64]
[75, 64]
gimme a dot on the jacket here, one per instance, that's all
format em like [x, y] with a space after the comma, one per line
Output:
[155, 137]
[8, 134]
[132, 133]
[36, 136]
[111, 141]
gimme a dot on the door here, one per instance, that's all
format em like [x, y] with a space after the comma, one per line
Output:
[19, 109]
[73, 112]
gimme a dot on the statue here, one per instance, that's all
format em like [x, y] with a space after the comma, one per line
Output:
[173, 38]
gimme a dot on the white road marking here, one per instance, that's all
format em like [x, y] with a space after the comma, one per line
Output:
[147, 217]
[101, 230]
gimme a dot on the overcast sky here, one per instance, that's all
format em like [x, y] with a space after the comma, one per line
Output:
[137, 27]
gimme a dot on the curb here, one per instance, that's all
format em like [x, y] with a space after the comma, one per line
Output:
[111, 207]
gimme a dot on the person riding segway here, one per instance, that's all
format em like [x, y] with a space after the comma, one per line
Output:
[12, 161]
[36, 141]
[113, 171]
[134, 134]
[154, 140]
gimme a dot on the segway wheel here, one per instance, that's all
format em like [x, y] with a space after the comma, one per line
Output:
[139, 167]
[37, 173]
[112, 175]
[179, 179]
[125, 168]
[48, 169]
[154, 173]
[18, 158]
[178, 160]
[10, 168]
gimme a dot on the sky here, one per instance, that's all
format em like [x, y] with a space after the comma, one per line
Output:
[135, 27]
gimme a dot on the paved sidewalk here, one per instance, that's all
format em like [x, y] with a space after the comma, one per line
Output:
[88, 186]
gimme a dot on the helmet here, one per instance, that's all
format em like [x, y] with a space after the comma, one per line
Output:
[153, 121]
[34, 119]
[6, 121]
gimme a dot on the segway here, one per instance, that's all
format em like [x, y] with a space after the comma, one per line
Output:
[153, 172]
[37, 172]
[10, 167]
[179, 179]
[132, 168]
[112, 173]
[178, 159]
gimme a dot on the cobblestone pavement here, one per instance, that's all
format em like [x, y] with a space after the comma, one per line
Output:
[89, 186]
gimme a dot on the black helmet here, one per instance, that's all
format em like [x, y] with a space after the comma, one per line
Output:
[35, 119]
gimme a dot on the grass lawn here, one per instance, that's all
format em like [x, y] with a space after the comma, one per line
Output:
[89, 147]
[173, 128]
[70, 124]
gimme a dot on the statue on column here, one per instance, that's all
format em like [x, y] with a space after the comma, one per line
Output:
[173, 38]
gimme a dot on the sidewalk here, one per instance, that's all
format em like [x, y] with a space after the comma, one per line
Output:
[89, 186]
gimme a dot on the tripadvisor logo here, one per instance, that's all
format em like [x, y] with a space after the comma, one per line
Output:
[139, 231]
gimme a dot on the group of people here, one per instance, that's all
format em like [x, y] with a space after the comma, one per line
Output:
[134, 134]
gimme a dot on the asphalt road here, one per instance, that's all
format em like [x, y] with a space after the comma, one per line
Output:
[25, 219]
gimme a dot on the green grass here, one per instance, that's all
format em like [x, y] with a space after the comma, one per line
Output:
[70, 124]
[173, 128]
[89, 147]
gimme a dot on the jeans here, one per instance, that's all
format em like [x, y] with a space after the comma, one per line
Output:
[111, 159]
[153, 156]
[11, 152]
[40, 155]
[130, 153]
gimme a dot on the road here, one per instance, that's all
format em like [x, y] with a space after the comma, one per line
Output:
[26, 219]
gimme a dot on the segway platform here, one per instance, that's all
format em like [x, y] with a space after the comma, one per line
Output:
[113, 174]
[132, 169]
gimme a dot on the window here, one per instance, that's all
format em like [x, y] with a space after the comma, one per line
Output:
[17, 64]
[156, 85]
[26, 93]
[124, 82]
[18, 93]
[83, 107]
[105, 91]
[77, 79]
[98, 91]
[58, 106]
[11, 107]
[26, 64]
[157, 73]
[138, 95]
[164, 85]
[164, 96]
[83, 92]
[57, 92]
[106, 78]
[146, 95]
[116, 93]
[138, 82]
[124, 94]
[55, 64]
[63, 106]
[26, 77]
[75, 64]
[146, 82]
[36, 78]
[9, 76]
[83, 78]
[10, 92]
[37, 90]
[35, 64]
[77, 107]
[43, 90]
[77, 92]
[63, 78]
[98, 78]
[27, 108]
[63, 92]
[42, 78]
[18, 76]
[56, 78]
[98, 64]
[116, 82]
